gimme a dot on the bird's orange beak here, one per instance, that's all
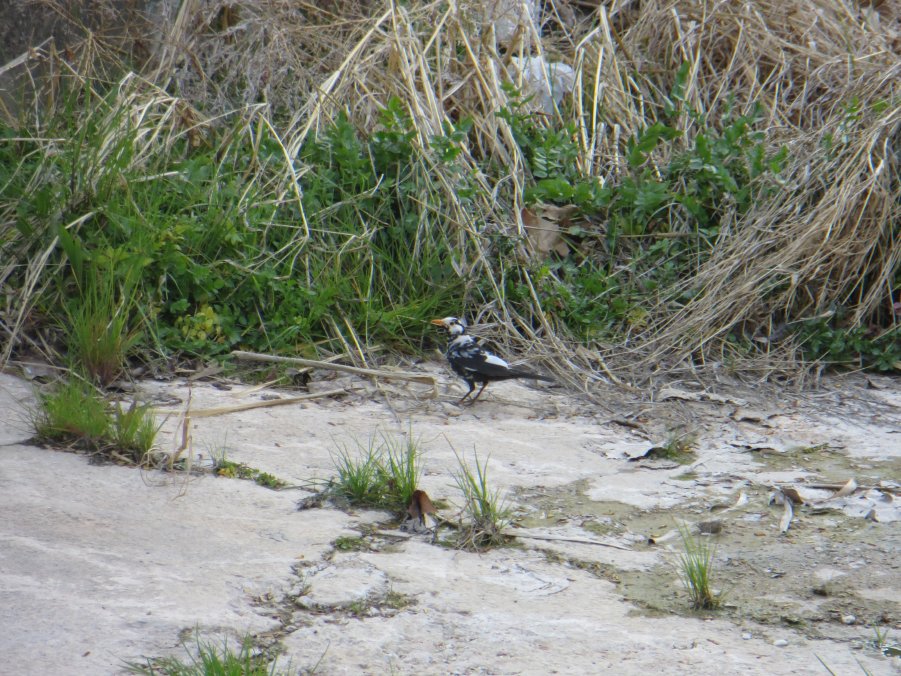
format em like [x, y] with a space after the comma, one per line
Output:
[438, 322]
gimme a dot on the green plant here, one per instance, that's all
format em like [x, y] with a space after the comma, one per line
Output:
[400, 470]
[884, 644]
[239, 470]
[678, 447]
[385, 474]
[351, 544]
[695, 566]
[212, 660]
[486, 512]
[134, 430]
[100, 325]
[851, 346]
[268, 480]
[359, 480]
[73, 413]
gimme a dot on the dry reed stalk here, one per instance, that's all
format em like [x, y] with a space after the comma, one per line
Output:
[826, 239]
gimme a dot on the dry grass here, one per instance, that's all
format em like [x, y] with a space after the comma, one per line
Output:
[827, 239]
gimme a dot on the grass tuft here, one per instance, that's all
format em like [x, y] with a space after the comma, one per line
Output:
[384, 474]
[134, 430]
[75, 415]
[695, 566]
[209, 659]
[400, 469]
[359, 480]
[486, 512]
[99, 328]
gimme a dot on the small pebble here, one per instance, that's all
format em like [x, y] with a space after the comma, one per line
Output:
[849, 619]
[746, 636]
[780, 643]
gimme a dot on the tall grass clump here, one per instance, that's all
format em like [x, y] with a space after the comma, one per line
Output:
[385, 473]
[100, 327]
[484, 509]
[209, 659]
[72, 413]
[359, 479]
[715, 185]
[696, 570]
[75, 415]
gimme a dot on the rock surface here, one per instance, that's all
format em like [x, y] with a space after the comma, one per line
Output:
[102, 565]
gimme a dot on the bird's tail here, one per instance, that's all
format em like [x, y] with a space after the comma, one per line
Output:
[520, 373]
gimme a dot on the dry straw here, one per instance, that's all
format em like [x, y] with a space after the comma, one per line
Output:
[828, 238]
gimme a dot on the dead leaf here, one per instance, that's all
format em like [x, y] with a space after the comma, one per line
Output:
[778, 497]
[793, 495]
[849, 487]
[544, 235]
[420, 506]
[558, 213]
[787, 513]
[741, 501]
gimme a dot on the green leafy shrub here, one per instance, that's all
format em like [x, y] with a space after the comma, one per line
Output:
[860, 347]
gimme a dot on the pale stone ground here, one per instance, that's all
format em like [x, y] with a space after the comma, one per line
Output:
[102, 564]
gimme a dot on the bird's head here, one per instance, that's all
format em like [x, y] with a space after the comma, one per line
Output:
[453, 325]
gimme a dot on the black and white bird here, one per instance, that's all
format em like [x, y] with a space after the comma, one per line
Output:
[474, 363]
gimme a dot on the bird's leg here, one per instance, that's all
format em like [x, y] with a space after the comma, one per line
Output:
[472, 386]
[484, 385]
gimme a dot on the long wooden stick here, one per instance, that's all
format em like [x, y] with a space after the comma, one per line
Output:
[554, 538]
[372, 373]
[223, 410]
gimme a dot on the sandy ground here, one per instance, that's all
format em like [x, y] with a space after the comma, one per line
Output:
[101, 565]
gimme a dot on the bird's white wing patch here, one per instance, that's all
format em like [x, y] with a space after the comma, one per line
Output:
[494, 359]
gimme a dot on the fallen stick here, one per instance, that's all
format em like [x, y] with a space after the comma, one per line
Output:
[552, 538]
[223, 410]
[837, 487]
[372, 373]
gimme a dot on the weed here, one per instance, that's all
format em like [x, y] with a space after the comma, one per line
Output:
[397, 601]
[859, 347]
[239, 470]
[98, 326]
[485, 511]
[678, 448]
[400, 470]
[73, 413]
[234, 470]
[883, 644]
[351, 544]
[76, 414]
[134, 430]
[212, 660]
[695, 566]
[268, 480]
[359, 480]
[386, 474]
